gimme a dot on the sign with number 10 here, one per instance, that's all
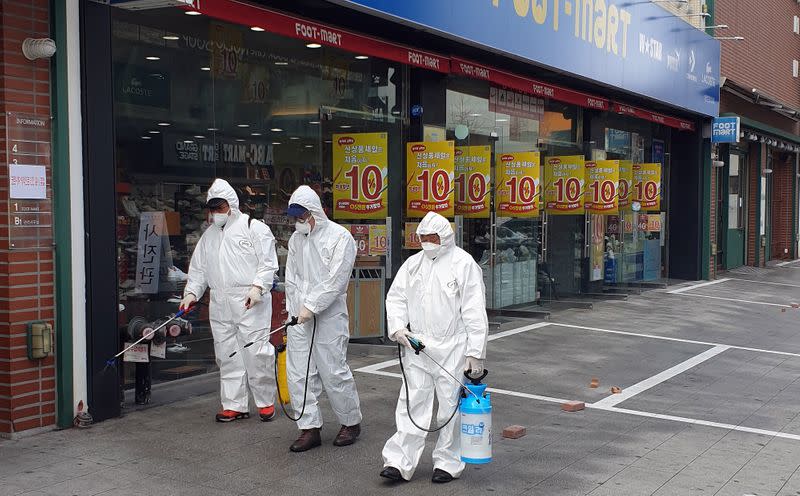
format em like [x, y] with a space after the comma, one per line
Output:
[472, 167]
[518, 185]
[360, 172]
[647, 186]
[564, 186]
[429, 178]
[602, 177]
[625, 183]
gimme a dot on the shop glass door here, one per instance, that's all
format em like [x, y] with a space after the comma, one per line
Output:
[734, 243]
[362, 165]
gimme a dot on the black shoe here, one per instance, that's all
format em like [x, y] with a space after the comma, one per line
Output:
[441, 477]
[310, 438]
[347, 435]
[391, 473]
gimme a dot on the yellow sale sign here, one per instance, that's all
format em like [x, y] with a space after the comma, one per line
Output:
[429, 178]
[625, 183]
[518, 185]
[564, 185]
[360, 176]
[472, 168]
[647, 186]
[377, 239]
[602, 177]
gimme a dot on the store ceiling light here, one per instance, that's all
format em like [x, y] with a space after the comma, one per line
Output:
[474, 114]
[146, 137]
[313, 122]
[164, 124]
[345, 126]
[281, 63]
[255, 134]
[313, 45]
[152, 57]
[205, 68]
[257, 29]
[192, 13]
[154, 132]
[199, 136]
[242, 125]
[212, 129]
[276, 130]
[501, 120]
[240, 140]
[171, 37]
[293, 138]
[276, 142]
[361, 57]
[309, 146]
[188, 141]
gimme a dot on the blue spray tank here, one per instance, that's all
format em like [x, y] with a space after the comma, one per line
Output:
[476, 422]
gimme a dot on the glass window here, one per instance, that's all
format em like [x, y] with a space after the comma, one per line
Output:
[196, 99]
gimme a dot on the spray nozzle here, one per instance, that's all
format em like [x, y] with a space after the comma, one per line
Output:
[291, 322]
[416, 344]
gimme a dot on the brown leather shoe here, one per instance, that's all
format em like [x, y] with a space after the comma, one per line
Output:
[309, 438]
[347, 435]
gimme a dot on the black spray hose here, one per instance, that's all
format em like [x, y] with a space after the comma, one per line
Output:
[305, 386]
[408, 405]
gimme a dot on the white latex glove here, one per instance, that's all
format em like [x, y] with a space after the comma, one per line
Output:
[187, 301]
[473, 366]
[401, 337]
[253, 297]
[305, 315]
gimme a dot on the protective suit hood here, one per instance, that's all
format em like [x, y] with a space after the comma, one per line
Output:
[308, 198]
[434, 223]
[220, 188]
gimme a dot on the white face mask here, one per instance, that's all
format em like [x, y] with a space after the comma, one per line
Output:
[431, 249]
[219, 220]
[302, 227]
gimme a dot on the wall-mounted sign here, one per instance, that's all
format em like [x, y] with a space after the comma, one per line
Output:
[725, 130]
[518, 185]
[564, 181]
[360, 170]
[602, 182]
[472, 167]
[430, 178]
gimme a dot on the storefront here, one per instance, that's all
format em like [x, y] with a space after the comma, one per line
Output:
[557, 186]
[757, 174]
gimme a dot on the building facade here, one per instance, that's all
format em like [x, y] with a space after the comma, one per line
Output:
[757, 205]
[565, 172]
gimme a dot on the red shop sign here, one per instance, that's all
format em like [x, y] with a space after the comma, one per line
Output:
[313, 32]
[530, 86]
[654, 117]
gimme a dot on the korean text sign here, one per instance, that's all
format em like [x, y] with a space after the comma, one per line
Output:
[647, 186]
[360, 169]
[518, 185]
[429, 178]
[472, 169]
[564, 185]
[602, 178]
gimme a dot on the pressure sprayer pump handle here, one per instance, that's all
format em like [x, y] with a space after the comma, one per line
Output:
[476, 380]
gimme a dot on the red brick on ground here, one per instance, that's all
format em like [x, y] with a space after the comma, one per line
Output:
[514, 432]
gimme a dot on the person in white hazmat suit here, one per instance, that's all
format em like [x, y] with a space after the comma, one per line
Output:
[440, 293]
[236, 259]
[318, 270]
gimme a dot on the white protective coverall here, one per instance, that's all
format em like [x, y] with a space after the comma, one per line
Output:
[444, 301]
[230, 261]
[318, 270]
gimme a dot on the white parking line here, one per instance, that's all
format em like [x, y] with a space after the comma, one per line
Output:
[784, 264]
[698, 285]
[679, 340]
[631, 391]
[695, 295]
[608, 405]
[706, 423]
[766, 282]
